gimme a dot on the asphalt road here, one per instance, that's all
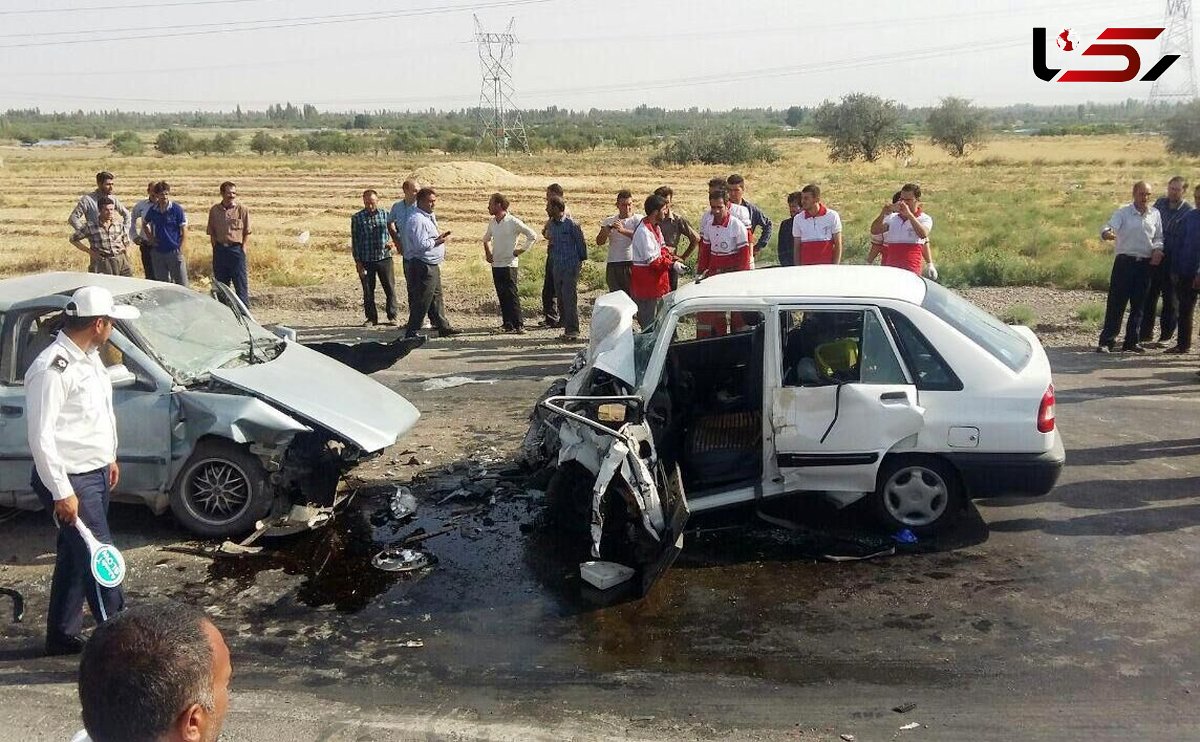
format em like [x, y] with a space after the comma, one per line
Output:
[1065, 617]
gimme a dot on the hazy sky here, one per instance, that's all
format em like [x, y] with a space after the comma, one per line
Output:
[398, 54]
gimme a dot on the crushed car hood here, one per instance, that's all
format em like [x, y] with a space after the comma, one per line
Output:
[610, 341]
[329, 394]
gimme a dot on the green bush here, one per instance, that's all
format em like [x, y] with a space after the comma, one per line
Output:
[127, 143]
[174, 142]
[731, 145]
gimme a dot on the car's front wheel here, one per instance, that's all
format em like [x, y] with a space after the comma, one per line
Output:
[918, 492]
[221, 491]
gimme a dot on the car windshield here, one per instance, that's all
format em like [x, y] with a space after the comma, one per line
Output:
[645, 340]
[989, 333]
[191, 334]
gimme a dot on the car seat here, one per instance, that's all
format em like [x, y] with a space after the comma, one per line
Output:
[838, 359]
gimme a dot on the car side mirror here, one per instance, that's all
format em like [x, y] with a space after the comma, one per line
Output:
[285, 333]
[120, 376]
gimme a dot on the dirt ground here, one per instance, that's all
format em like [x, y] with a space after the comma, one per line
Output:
[1065, 617]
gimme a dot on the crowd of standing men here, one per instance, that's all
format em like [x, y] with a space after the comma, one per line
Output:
[106, 231]
[1157, 259]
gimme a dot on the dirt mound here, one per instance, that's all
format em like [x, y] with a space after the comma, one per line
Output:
[450, 174]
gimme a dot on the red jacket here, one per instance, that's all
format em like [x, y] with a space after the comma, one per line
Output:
[650, 280]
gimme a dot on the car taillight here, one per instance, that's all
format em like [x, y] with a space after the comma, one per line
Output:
[1045, 419]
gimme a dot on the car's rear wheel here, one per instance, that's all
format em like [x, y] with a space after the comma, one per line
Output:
[221, 491]
[918, 492]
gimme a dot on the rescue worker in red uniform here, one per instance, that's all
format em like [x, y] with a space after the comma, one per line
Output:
[817, 230]
[724, 248]
[904, 228]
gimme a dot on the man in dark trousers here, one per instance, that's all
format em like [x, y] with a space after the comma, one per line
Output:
[787, 243]
[550, 316]
[570, 252]
[1171, 208]
[229, 232]
[1185, 274]
[424, 253]
[1136, 228]
[73, 438]
[372, 248]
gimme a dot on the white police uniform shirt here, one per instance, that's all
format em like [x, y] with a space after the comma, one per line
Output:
[72, 427]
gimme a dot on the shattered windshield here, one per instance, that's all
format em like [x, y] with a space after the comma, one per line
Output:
[645, 340]
[190, 334]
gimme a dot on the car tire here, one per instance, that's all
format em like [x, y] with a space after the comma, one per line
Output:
[221, 490]
[917, 492]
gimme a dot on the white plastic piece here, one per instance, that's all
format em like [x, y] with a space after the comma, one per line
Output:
[603, 575]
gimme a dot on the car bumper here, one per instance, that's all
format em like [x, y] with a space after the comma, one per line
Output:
[997, 474]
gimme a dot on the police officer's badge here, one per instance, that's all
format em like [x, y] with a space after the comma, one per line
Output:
[59, 363]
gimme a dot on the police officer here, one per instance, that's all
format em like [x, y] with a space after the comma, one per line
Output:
[73, 438]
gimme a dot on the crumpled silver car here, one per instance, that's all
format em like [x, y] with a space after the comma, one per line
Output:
[218, 419]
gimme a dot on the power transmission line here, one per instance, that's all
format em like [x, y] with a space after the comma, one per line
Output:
[140, 6]
[100, 36]
[500, 118]
[1177, 40]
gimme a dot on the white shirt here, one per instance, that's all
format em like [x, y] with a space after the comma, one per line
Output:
[72, 427]
[898, 231]
[503, 235]
[1137, 234]
[619, 246]
[723, 239]
[819, 228]
[739, 212]
[645, 248]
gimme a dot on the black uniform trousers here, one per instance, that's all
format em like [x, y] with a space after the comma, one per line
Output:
[1185, 295]
[73, 583]
[505, 281]
[424, 296]
[385, 271]
[549, 305]
[1160, 285]
[1126, 287]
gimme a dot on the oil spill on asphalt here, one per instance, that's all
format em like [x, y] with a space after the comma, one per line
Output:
[503, 595]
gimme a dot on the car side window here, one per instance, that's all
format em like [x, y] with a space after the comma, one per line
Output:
[35, 332]
[821, 347]
[879, 362]
[929, 370]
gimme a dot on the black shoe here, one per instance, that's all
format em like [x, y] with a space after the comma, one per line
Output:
[410, 335]
[369, 323]
[1177, 351]
[1104, 348]
[1133, 349]
[63, 645]
[390, 321]
[448, 332]
[548, 323]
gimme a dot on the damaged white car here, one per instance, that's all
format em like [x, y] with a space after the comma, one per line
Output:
[218, 419]
[844, 382]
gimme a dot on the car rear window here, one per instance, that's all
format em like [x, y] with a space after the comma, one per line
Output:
[989, 333]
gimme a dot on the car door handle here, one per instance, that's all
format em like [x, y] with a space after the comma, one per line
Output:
[11, 411]
[893, 397]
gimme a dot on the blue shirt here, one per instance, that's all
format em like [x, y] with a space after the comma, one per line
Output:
[420, 237]
[166, 226]
[570, 248]
[1185, 261]
[399, 216]
[1172, 221]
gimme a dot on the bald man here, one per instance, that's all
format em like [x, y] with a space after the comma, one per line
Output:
[1137, 230]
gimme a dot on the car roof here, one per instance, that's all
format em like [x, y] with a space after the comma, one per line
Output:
[811, 281]
[34, 286]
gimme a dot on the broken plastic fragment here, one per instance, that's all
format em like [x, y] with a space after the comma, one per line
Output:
[400, 560]
[603, 575]
[402, 504]
[907, 727]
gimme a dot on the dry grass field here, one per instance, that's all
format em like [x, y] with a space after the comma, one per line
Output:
[1024, 211]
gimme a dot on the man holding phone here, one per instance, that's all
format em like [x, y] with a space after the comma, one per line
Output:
[424, 252]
